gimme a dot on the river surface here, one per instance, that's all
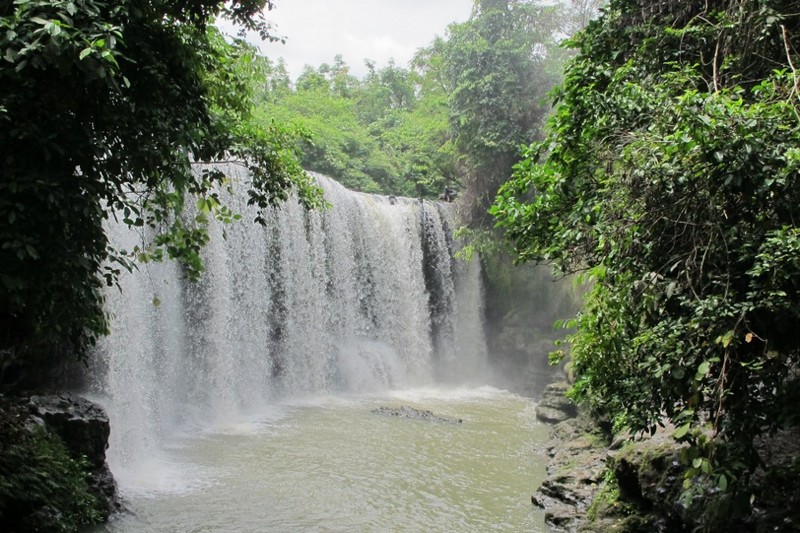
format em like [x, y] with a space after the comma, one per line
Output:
[328, 464]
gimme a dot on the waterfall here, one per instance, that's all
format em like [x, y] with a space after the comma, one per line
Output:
[362, 297]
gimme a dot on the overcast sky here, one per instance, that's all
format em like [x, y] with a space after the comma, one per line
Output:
[317, 30]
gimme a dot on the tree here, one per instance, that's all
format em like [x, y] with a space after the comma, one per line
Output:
[495, 66]
[385, 133]
[104, 108]
[670, 175]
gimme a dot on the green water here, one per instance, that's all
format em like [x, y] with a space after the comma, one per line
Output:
[329, 464]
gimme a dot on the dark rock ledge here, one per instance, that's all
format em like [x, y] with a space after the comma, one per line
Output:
[595, 484]
[554, 406]
[84, 428]
[575, 474]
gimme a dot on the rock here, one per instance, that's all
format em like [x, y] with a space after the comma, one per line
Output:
[555, 407]
[643, 494]
[574, 474]
[649, 474]
[551, 415]
[81, 424]
[409, 412]
[84, 428]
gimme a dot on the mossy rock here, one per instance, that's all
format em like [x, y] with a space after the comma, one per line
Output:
[43, 485]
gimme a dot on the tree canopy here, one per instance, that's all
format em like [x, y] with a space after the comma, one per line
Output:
[385, 133]
[104, 108]
[670, 176]
[496, 68]
[455, 117]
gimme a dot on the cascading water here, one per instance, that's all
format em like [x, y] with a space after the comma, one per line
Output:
[364, 296]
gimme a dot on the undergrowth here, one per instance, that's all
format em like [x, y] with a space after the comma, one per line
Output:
[42, 487]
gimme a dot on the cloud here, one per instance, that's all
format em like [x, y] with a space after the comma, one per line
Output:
[380, 48]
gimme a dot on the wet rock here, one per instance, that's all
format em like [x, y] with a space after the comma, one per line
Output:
[84, 428]
[574, 474]
[418, 414]
[555, 407]
[646, 472]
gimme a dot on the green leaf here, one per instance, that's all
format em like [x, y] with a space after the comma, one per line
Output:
[682, 431]
[85, 52]
[702, 370]
[203, 205]
[726, 339]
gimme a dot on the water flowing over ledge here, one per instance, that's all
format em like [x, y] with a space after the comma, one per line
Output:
[362, 297]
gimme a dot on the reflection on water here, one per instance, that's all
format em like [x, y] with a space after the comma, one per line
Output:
[329, 464]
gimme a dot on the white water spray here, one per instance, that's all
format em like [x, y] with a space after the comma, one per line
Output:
[362, 297]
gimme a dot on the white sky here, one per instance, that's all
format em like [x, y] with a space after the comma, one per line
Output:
[317, 30]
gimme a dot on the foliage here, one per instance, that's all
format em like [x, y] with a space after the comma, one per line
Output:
[38, 473]
[496, 66]
[670, 176]
[382, 134]
[337, 144]
[104, 107]
[455, 118]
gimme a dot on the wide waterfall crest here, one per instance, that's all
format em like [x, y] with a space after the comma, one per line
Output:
[362, 297]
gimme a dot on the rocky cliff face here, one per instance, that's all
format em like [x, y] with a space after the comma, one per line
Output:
[574, 474]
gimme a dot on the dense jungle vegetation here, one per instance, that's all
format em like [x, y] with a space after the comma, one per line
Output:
[109, 105]
[669, 177]
[105, 106]
[455, 117]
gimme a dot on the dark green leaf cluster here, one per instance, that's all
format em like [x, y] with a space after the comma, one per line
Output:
[104, 109]
[671, 176]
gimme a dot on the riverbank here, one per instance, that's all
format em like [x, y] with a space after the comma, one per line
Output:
[598, 482]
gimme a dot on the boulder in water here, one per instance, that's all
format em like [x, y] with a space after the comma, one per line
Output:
[418, 414]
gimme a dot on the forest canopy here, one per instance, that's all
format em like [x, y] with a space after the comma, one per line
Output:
[455, 117]
[670, 178]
